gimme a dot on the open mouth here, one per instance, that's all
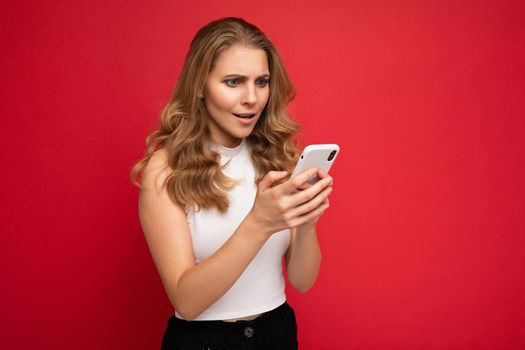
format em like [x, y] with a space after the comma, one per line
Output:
[244, 116]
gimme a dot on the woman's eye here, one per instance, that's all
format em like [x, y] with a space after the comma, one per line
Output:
[235, 82]
[232, 82]
[262, 82]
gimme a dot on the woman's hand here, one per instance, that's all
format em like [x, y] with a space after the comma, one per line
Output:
[311, 223]
[292, 203]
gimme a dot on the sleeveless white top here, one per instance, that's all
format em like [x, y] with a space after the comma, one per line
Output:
[261, 286]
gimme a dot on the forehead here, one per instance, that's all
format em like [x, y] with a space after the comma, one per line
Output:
[240, 59]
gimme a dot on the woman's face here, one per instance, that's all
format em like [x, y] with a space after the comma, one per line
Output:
[236, 92]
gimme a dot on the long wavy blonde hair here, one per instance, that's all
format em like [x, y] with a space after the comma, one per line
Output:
[196, 177]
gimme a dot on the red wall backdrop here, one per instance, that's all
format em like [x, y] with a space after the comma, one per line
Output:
[423, 244]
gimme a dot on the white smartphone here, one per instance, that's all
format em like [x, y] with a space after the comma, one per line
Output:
[320, 156]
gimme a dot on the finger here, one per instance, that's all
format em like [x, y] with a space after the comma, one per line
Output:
[302, 187]
[272, 177]
[312, 215]
[297, 181]
[309, 193]
[322, 174]
[310, 205]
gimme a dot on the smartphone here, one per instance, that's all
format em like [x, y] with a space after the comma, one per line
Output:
[320, 156]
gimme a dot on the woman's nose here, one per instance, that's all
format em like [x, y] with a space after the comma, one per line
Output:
[250, 95]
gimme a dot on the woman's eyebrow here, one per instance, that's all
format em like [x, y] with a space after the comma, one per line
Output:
[244, 77]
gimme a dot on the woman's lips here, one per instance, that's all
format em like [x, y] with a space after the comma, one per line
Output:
[244, 116]
[245, 119]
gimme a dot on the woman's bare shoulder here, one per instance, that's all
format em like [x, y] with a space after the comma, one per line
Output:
[156, 170]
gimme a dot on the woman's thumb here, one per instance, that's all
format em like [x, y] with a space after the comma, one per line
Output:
[271, 178]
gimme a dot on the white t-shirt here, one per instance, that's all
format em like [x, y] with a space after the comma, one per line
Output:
[261, 286]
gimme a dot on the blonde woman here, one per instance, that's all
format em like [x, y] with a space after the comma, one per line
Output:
[217, 205]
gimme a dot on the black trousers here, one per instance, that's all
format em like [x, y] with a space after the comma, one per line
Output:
[275, 330]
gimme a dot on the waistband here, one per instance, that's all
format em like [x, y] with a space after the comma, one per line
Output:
[267, 318]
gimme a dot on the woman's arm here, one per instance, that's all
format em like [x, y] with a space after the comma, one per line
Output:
[303, 258]
[191, 288]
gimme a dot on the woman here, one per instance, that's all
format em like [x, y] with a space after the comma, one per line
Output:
[217, 206]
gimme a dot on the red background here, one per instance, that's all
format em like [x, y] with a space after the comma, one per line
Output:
[423, 243]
